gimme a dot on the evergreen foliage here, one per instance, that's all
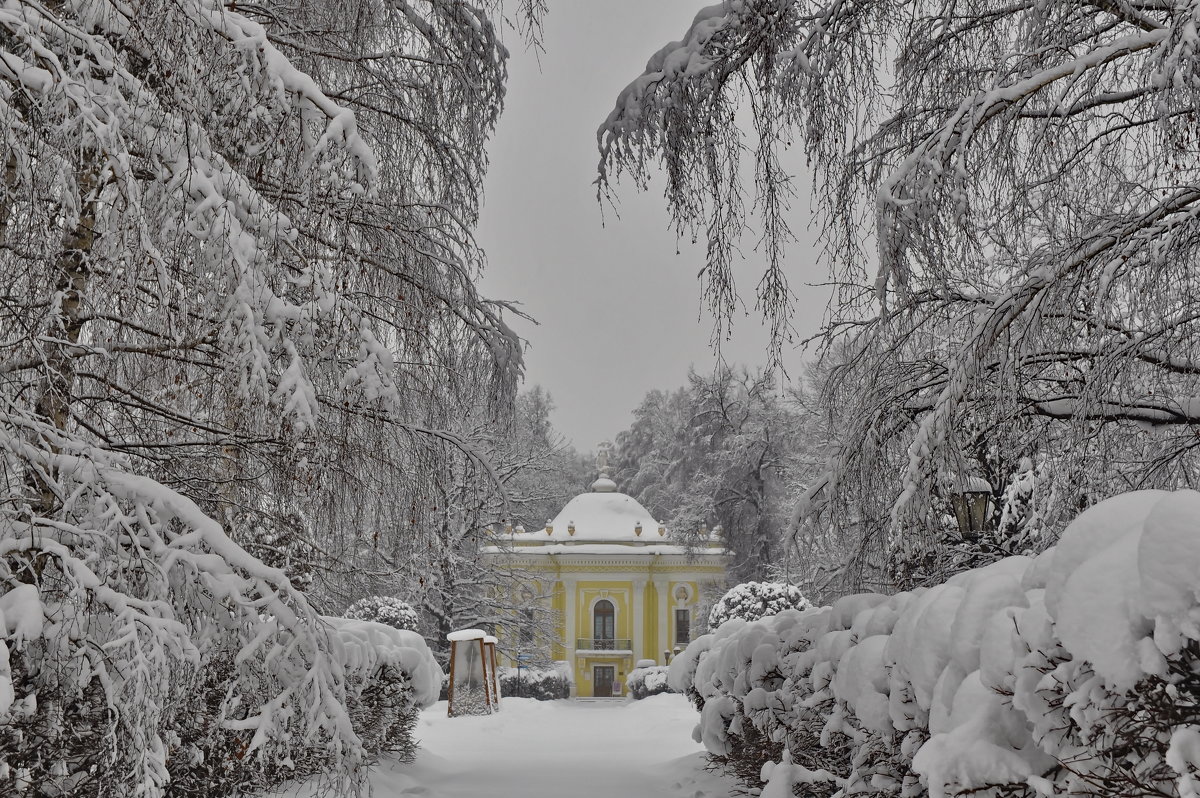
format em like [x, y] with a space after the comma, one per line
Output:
[543, 684]
[647, 681]
[386, 610]
[753, 600]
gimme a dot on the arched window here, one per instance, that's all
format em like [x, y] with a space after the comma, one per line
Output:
[604, 624]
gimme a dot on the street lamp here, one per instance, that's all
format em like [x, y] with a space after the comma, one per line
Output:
[521, 658]
[971, 506]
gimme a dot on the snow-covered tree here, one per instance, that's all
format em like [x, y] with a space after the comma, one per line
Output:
[238, 299]
[753, 600]
[479, 475]
[1007, 195]
[717, 452]
[539, 469]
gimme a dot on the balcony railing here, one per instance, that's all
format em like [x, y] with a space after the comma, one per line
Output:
[598, 644]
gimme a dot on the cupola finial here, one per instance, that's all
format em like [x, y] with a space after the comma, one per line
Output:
[603, 484]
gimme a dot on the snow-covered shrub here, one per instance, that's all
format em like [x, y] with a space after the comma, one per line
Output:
[544, 684]
[384, 609]
[760, 687]
[647, 681]
[49, 726]
[392, 676]
[1073, 672]
[114, 614]
[174, 658]
[212, 759]
[753, 600]
[1027, 497]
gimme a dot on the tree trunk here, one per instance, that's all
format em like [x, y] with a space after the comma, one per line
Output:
[56, 388]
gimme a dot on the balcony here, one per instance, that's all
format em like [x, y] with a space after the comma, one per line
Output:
[598, 644]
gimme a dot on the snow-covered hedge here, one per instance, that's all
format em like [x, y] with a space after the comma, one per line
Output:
[544, 684]
[391, 676]
[384, 609]
[132, 623]
[1075, 672]
[753, 600]
[58, 736]
[647, 681]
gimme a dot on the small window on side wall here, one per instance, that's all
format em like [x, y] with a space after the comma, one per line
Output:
[683, 627]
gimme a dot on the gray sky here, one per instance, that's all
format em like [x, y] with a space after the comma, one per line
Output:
[618, 311]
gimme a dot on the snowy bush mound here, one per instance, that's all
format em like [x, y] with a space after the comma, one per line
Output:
[753, 600]
[161, 653]
[1074, 672]
[543, 684]
[212, 709]
[391, 676]
[647, 681]
[384, 609]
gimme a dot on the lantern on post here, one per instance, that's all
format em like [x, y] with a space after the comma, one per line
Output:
[472, 689]
[972, 506]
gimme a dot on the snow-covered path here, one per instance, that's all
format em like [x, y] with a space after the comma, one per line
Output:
[556, 749]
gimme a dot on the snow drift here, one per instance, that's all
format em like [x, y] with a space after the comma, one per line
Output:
[1071, 672]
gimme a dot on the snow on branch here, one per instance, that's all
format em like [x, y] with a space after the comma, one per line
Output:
[250, 39]
[240, 317]
[190, 562]
[992, 188]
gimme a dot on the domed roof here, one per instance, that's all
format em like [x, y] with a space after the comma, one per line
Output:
[604, 514]
[601, 523]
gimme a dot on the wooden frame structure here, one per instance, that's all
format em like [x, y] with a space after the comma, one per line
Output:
[474, 684]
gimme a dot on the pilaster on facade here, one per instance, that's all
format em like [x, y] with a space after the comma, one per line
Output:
[639, 618]
[571, 611]
[662, 593]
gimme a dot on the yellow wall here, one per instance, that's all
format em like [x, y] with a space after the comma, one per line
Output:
[558, 603]
[673, 604]
[658, 632]
[650, 623]
[589, 592]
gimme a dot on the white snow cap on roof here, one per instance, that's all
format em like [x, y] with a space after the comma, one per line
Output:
[604, 485]
[466, 634]
[605, 515]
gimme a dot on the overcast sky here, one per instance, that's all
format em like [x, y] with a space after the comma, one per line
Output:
[618, 311]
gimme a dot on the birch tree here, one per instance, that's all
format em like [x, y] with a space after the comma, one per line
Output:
[1007, 199]
[236, 275]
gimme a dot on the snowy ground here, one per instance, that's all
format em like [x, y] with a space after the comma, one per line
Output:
[556, 749]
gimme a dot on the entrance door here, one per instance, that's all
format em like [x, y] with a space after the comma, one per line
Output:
[603, 677]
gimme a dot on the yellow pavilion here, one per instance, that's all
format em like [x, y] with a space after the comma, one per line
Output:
[620, 588]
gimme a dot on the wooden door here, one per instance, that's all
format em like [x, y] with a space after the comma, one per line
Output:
[603, 677]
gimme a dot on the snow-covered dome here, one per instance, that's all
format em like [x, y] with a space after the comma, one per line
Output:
[605, 515]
